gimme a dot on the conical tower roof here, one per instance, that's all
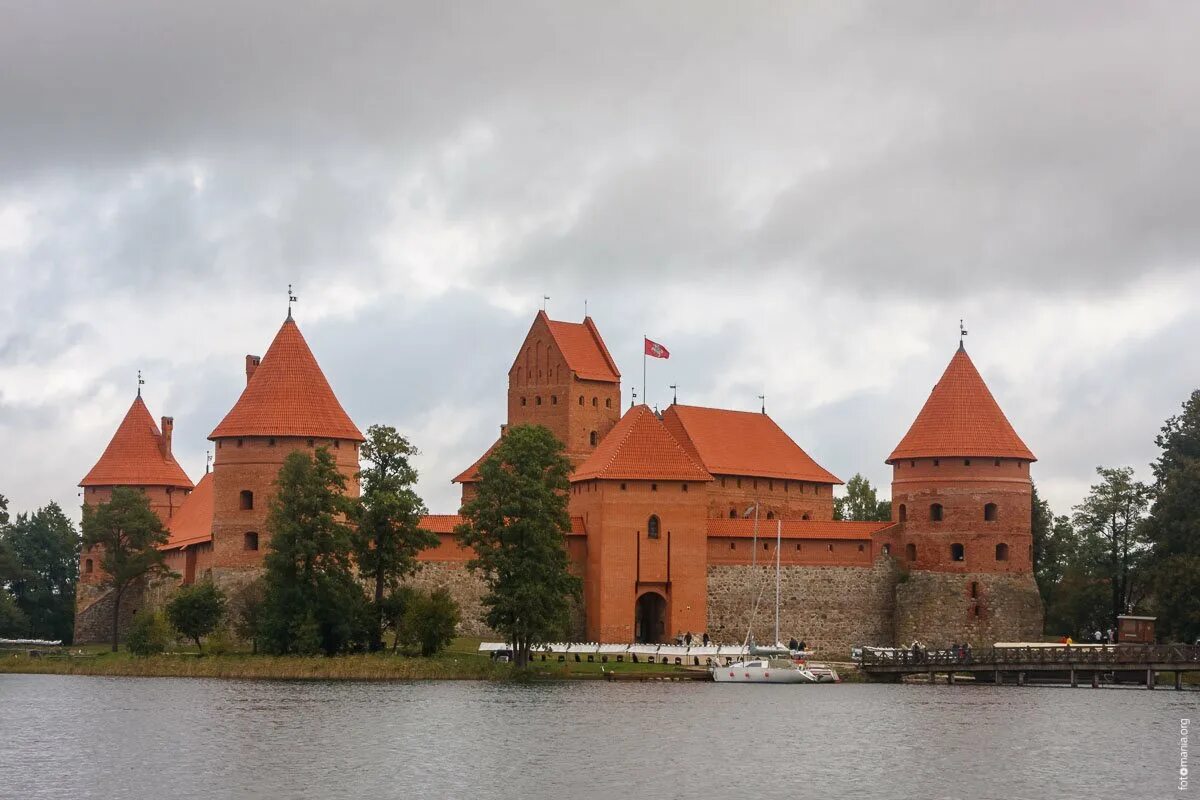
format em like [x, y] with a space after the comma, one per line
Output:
[288, 395]
[961, 418]
[639, 447]
[137, 455]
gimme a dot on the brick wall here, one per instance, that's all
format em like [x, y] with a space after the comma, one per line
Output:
[787, 499]
[982, 608]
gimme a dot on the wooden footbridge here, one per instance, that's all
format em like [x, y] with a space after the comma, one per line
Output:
[1020, 663]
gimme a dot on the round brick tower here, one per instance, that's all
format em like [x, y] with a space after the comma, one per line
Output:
[138, 456]
[962, 493]
[287, 405]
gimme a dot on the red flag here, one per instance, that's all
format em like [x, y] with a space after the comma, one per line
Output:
[656, 350]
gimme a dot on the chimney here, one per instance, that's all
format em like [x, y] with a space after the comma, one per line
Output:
[251, 365]
[168, 427]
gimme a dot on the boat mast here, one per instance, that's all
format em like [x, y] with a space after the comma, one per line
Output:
[778, 540]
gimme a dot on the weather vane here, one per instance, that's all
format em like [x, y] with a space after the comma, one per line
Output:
[141, 383]
[207, 460]
[674, 393]
[961, 333]
[291, 299]
[632, 398]
[545, 299]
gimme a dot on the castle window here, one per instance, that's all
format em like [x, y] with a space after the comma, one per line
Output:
[805, 516]
[910, 552]
[989, 512]
[239, 442]
[887, 549]
[250, 541]
[310, 442]
[733, 513]
[770, 515]
[1020, 465]
[337, 444]
[522, 401]
[622, 487]
[247, 500]
[608, 402]
[594, 438]
[739, 483]
[271, 442]
[683, 488]
[935, 512]
[860, 548]
[903, 516]
[733, 545]
[797, 547]
[966, 462]
[88, 566]
[595, 401]
[537, 400]
[580, 399]
[722, 483]
[770, 486]
[766, 546]
[553, 399]
[912, 463]
[829, 547]
[652, 527]
[997, 462]
[1002, 552]
[654, 487]
[937, 462]
[974, 590]
[957, 552]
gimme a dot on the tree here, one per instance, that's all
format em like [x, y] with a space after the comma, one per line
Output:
[13, 623]
[245, 611]
[196, 611]
[148, 634]
[1112, 535]
[129, 533]
[389, 534]
[430, 620]
[47, 546]
[1054, 542]
[313, 602]
[517, 525]
[860, 503]
[1174, 524]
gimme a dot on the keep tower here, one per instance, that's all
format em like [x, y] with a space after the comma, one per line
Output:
[287, 405]
[962, 492]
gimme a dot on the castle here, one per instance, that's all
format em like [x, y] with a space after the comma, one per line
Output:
[667, 510]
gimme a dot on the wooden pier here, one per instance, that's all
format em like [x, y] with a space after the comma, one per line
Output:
[1021, 664]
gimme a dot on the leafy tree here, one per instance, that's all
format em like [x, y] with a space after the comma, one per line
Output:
[517, 525]
[430, 620]
[129, 533]
[3, 511]
[245, 611]
[1054, 544]
[196, 611]
[860, 503]
[47, 546]
[1112, 535]
[395, 604]
[313, 602]
[13, 623]
[389, 534]
[148, 634]
[1174, 524]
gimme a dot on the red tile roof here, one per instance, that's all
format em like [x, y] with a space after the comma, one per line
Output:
[471, 473]
[639, 447]
[288, 395]
[446, 523]
[796, 528]
[584, 349]
[134, 456]
[742, 443]
[192, 522]
[961, 418]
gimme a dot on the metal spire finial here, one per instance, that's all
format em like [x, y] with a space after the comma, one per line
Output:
[291, 299]
[961, 333]
[632, 398]
[545, 299]
[207, 461]
[674, 393]
[763, 398]
[141, 383]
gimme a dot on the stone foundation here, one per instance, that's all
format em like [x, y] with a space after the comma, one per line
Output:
[93, 612]
[981, 608]
[830, 608]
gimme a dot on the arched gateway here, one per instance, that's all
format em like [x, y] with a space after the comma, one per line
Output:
[650, 617]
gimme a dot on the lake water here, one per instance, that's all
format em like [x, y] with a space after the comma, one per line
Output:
[82, 737]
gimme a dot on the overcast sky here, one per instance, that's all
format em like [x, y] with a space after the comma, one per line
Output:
[798, 199]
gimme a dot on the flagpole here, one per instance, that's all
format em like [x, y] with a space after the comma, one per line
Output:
[645, 397]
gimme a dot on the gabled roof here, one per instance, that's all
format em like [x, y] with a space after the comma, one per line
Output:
[288, 395]
[136, 455]
[582, 348]
[446, 523]
[796, 528]
[639, 447]
[742, 443]
[192, 522]
[961, 418]
[471, 473]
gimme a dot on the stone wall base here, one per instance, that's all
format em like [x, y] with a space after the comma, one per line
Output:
[939, 608]
[94, 608]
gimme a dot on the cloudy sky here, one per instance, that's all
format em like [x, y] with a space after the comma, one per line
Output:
[798, 199]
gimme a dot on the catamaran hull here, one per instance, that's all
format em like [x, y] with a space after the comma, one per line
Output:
[737, 674]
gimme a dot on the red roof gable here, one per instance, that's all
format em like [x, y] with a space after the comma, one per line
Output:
[961, 418]
[288, 395]
[471, 473]
[136, 455]
[742, 443]
[192, 522]
[639, 447]
[583, 349]
[796, 528]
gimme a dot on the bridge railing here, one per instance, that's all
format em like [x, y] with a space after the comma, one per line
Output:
[1100, 655]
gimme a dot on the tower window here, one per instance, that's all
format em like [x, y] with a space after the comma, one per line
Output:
[805, 516]
[88, 566]
[608, 402]
[652, 527]
[770, 515]
[683, 487]
[622, 487]
[537, 400]
[912, 463]
[250, 541]
[337, 444]
[966, 462]
[903, 514]
[654, 487]
[989, 512]
[239, 442]
[733, 545]
[1002, 552]
[580, 399]
[887, 549]
[739, 483]
[522, 401]
[247, 500]
[594, 438]
[997, 462]
[957, 552]
[910, 552]
[974, 590]
[733, 513]
[553, 399]
[935, 512]
[271, 442]
[595, 401]
[937, 462]
[860, 548]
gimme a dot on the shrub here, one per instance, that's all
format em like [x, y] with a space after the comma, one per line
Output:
[148, 634]
[245, 609]
[430, 621]
[195, 611]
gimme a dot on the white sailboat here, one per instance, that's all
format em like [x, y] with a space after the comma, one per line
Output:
[775, 664]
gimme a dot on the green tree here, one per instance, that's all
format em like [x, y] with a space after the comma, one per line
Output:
[517, 525]
[148, 634]
[388, 536]
[395, 604]
[196, 611]
[1054, 542]
[313, 602]
[1110, 522]
[245, 611]
[1174, 524]
[129, 533]
[430, 620]
[46, 545]
[860, 503]
[13, 623]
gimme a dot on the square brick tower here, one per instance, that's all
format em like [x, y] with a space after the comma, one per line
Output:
[962, 493]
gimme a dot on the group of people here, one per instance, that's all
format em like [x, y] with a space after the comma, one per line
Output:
[688, 638]
[961, 652]
[1105, 637]
[797, 647]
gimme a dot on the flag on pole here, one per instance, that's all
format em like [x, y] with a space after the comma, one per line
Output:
[656, 350]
